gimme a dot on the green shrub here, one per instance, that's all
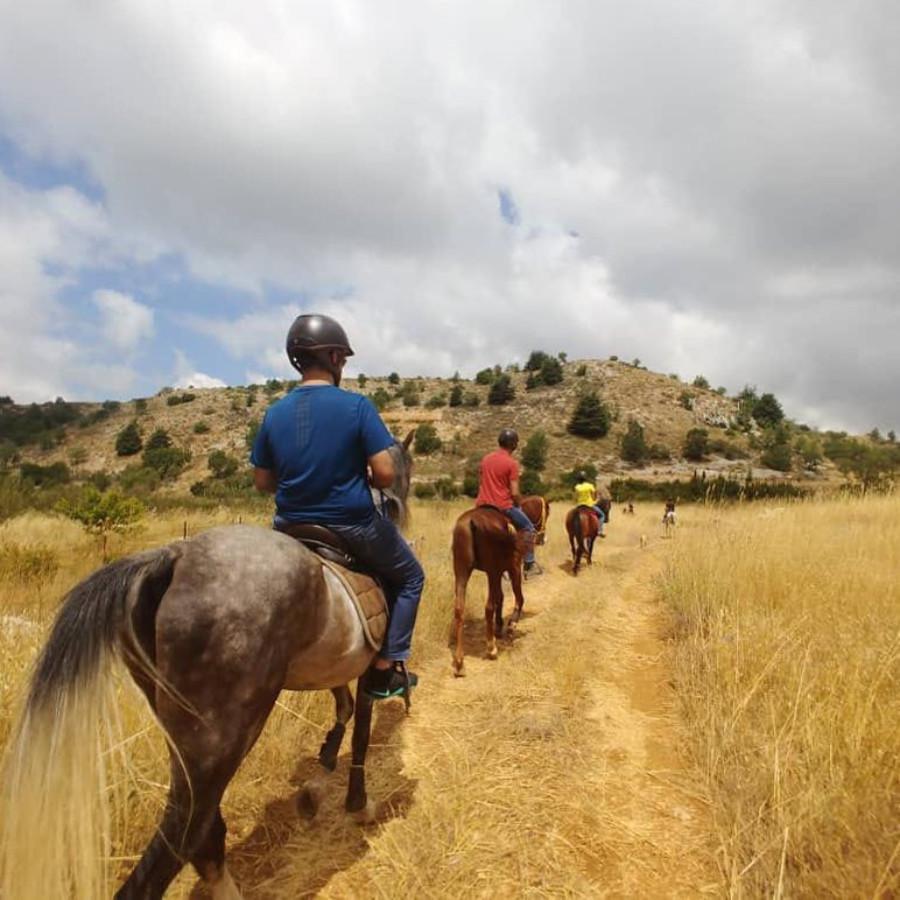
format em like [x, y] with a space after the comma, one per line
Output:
[696, 444]
[470, 484]
[501, 391]
[426, 440]
[128, 440]
[45, 476]
[701, 382]
[436, 401]
[169, 462]
[361, 380]
[633, 447]
[581, 371]
[253, 427]
[485, 376]
[551, 371]
[471, 399]
[456, 395]
[140, 405]
[686, 400]
[424, 490]
[159, 439]
[446, 488]
[591, 417]
[102, 512]
[221, 464]
[381, 398]
[778, 457]
[534, 455]
[178, 399]
[530, 482]
[201, 427]
[394, 378]
[767, 411]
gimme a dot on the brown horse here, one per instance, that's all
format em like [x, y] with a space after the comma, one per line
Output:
[583, 526]
[537, 508]
[484, 538]
[211, 629]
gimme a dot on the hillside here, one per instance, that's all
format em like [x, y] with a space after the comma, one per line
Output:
[220, 419]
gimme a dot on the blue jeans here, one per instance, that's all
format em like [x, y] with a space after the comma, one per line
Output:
[523, 523]
[600, 514]
[380, 547]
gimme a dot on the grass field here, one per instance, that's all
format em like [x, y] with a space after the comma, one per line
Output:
[568, 767]
[787, 658]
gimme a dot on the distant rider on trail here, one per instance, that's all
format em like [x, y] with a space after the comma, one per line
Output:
[498, 485]
[312, 452]
[586, 495]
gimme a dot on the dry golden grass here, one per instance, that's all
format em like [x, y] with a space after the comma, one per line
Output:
[788, 665]
[522, 779]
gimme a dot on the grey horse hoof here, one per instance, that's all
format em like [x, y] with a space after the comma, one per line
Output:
[366, 815]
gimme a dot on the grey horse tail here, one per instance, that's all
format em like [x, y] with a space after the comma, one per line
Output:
[97, 620]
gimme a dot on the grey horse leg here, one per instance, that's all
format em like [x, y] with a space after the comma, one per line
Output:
[313, 791]
[343, 703]
[357, 802]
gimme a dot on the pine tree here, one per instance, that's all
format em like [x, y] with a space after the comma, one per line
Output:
[128, 440]
[634, 447]
[501, 391]
[591, 418]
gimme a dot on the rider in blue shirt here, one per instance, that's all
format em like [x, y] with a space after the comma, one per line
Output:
[312, 451]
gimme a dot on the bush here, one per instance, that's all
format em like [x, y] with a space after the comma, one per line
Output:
[128, 440]
[158, 440]
[100, 480]
[272, 386]
[446, 488]
[530, 482]
[381, 398]
[221, 464]
[634, 448]
[140, 405]
[456, 395]
[701, 382]
[778, 457]
[659, 453]
[470, 484]
[252, 430]
[767, 411]
[471, 399]
[436, 401]
[45, 476]
[485, 376]
[102, 512]
[410, 394]
[169, 462]
[136, 479]
[424, 490]
[361, 380]
[501, 391]
[581, 371]
[394, 378]
[534, 456]
[201, 427]
[591, 418]
[178, 399]
[551, 371]
[696, 444]
[536, 359]
[686, 400]
[426, 440]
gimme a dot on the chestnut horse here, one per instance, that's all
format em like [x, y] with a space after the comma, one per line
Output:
[583, 526]
[211, 629]
[484, 538]
[537, 508]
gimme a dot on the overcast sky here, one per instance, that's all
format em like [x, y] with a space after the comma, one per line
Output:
[713, 187]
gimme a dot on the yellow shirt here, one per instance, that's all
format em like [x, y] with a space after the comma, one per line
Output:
[585, 494]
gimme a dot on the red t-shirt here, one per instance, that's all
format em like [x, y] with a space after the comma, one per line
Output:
[497, 472]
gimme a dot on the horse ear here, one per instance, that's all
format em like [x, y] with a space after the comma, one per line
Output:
[408, 440]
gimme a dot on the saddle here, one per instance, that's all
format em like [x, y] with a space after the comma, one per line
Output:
[344, 572]
[589, 509]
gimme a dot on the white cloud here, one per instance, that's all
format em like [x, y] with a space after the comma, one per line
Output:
[729, 169]
[125, 322]
[199, 380]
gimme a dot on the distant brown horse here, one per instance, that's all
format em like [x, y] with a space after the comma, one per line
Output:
[537, 509]
[211, 629]
[484, 538]
[583, 526]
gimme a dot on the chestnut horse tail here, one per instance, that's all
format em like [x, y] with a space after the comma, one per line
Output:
[56, 834]
[579, 534]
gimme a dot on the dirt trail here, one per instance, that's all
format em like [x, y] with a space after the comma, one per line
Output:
[555, 770]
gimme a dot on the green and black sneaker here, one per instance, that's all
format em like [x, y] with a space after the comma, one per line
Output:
[381, 684]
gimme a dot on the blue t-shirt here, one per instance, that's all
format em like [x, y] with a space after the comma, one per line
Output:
[317, 440]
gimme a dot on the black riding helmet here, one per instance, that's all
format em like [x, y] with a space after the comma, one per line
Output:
[314, 333]
[508, 439]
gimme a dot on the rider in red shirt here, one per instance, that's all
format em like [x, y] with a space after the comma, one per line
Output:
[498, 485]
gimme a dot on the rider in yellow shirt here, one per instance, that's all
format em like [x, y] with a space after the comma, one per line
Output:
[586, 495]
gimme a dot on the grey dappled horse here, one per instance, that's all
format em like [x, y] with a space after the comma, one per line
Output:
[211, 629]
